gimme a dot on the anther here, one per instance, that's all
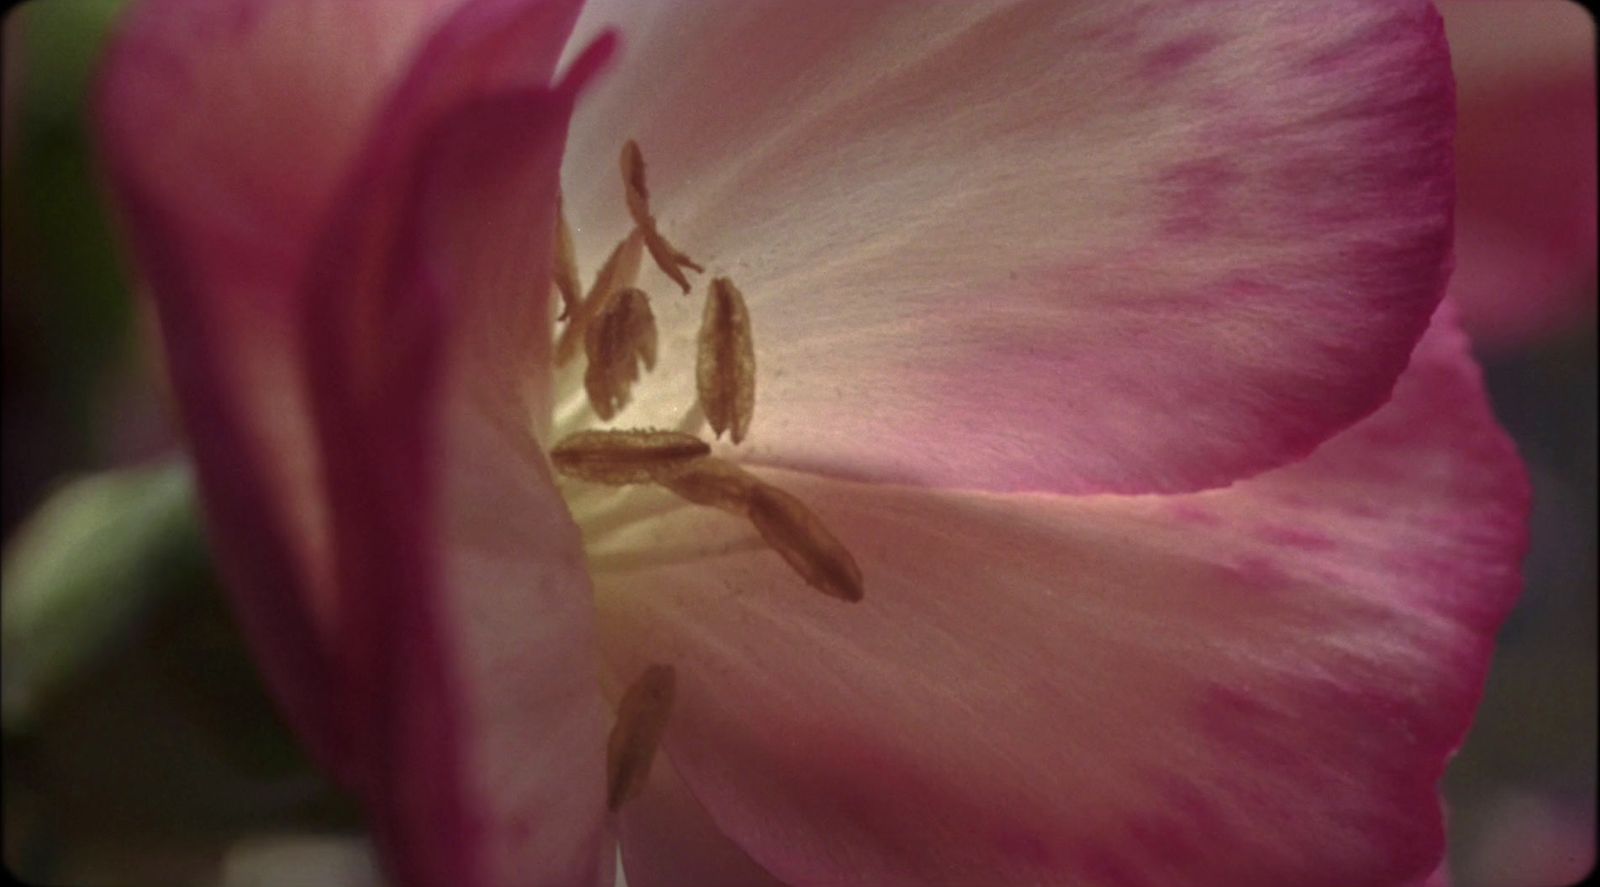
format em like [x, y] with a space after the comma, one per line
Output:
[667, 257]
[564, 270]
[716, 483]
[626, 457]
[795, 533]
[641, 722]
[784, 522]
[620, 336]
[620, 271]
[725, 368]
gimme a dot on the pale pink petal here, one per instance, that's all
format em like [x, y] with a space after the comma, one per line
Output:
[466, 629]
[1078, 247]
[668, 840]
[1250, 687]
[398, 520]
[241, 116]
[223, 128]
[1525, 221]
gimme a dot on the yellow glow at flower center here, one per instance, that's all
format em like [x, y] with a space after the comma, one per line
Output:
[613, 480]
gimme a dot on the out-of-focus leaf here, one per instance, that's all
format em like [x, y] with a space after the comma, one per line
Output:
[67, 305]
[96, 556]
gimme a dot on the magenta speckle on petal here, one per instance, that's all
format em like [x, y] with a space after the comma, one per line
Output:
[1174, 58]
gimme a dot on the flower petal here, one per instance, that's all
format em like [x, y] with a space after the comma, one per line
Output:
[668, 840]
[225, 128]
[1525, 224]
[1252, 686]
[242, 116]
[1097, 246]
[466, 628]
[397, 519]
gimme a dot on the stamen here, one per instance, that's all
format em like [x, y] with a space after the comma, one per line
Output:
[620, 271]
[621, 335]
[716, 483]
[790, 527]
[725, 371]
[667, 257]
[564, 271]
[641, 722]
[783, 521]
[618, 331]
[626, 457]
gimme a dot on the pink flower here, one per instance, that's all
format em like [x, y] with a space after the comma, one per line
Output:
[1525, 225]
[1032, 290]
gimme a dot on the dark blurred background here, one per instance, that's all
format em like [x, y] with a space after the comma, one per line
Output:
[139, 747]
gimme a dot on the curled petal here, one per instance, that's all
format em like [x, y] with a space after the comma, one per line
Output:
[241, 117]
[1104, 246]
[353, 361]
[222, 184]
[466, 629]
[1253, 686]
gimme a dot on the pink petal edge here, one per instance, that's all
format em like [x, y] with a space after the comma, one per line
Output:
[1249, 687]
[1104, 246]
[218, 228]
[327, 587]
[486, 566]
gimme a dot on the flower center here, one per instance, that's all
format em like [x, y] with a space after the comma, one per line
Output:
[614, 479]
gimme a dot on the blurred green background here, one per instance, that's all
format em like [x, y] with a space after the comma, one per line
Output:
[139, 747]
